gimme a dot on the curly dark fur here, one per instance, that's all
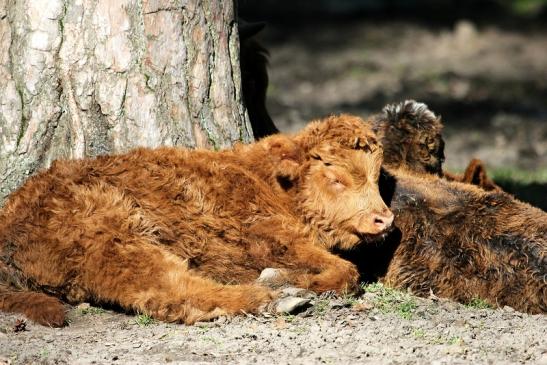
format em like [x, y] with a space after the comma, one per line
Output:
[411, 136]
[460, 242]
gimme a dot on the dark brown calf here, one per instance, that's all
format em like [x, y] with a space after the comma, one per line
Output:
[182, 235]
[460, 242]
[412, 137]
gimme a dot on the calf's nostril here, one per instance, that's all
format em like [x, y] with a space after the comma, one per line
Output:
[382, 221]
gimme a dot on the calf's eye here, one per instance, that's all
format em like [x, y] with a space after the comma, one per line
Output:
[338, 185]
[333, 179]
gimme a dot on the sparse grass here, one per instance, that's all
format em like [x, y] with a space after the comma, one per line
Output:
[441, 340]
[349, 300]
[202, 329]
[144, 320]
[289, 318]
[44, 353]
[389, 300]
[167, 335]
[91, 310]
[478, 303]
[418, 333]
[321, 307]
[406, 309]
[299, 330]
[454, 340]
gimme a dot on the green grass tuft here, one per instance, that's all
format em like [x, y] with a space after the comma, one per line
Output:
[479, 303]
[389, 300]
[92, 311]
[321, 307]
[144, 320]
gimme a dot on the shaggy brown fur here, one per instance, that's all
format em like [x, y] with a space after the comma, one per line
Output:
[460, 242]
[453, 239]
[491, 258]
[411, 137]
[182, 235]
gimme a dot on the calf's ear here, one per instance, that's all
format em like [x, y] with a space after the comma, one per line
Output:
[287, 159]
[475, 173]
[287, 173]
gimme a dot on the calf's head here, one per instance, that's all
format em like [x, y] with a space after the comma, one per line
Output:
[336, 184]
[411, 137]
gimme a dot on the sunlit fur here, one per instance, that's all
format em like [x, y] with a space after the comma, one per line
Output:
[341, 209]
[331, 171]
[182, 235]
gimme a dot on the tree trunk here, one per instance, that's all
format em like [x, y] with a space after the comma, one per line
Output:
[89, 77]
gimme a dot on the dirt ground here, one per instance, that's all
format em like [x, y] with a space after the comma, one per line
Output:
[490, 86]
[380, 327]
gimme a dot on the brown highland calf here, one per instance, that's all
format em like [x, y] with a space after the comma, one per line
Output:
[411, 137]
[453, 239]
[183, 235]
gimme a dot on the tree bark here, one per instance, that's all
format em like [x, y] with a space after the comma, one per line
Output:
[90, 77]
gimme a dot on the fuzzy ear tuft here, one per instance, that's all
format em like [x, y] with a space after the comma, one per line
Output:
[475, 173]
[288, 159]
[287, 173]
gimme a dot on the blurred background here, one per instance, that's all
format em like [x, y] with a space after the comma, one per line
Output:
[481, 65]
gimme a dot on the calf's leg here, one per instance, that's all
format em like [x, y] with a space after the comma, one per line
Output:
[306, 264]
[147, 279]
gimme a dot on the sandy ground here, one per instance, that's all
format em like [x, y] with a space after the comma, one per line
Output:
[376, 328]
[490, 86]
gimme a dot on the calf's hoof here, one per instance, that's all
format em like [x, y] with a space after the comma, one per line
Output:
[287, 305]
[272, 278]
